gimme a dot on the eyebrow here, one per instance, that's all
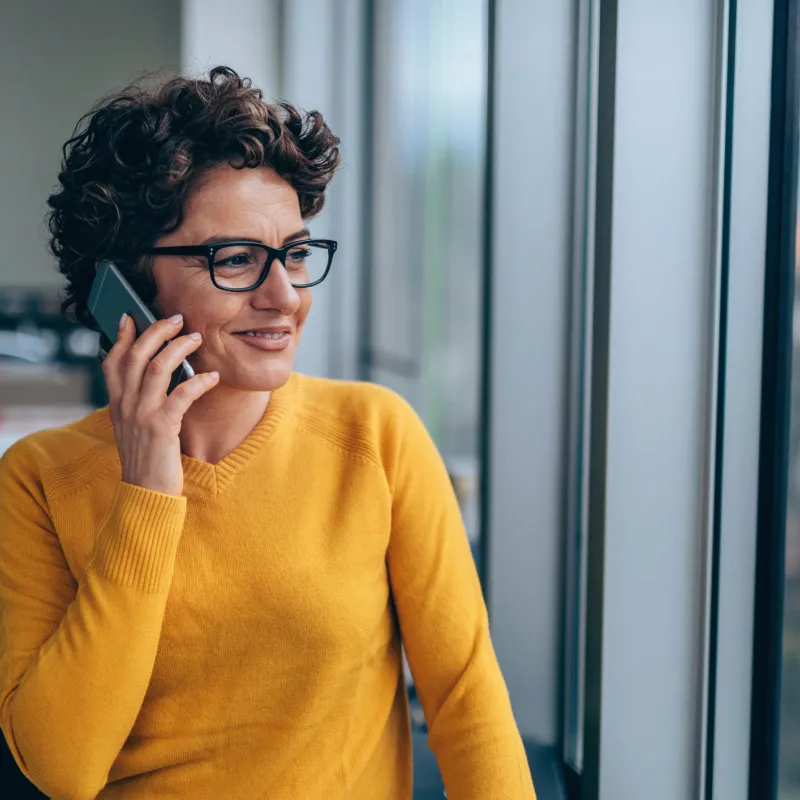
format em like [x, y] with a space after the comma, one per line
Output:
[305, 233]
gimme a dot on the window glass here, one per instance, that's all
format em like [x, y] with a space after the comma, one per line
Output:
[428, 173]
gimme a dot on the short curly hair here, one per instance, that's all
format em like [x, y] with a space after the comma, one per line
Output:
[136, 154]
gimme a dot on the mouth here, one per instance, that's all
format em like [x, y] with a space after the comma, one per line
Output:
[266, 338]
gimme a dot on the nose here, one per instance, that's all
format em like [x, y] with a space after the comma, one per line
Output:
[276, 292]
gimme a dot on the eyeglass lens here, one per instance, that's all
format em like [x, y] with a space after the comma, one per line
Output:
[241, 266]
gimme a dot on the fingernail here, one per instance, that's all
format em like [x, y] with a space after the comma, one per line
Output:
[177, 319]
[122, 320]
[196, 336]
[214, 375]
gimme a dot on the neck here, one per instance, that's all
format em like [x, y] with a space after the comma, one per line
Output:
[218, 422]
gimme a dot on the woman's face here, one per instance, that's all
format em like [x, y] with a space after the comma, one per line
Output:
[256, 205]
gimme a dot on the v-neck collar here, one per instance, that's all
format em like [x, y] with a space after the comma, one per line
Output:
[215, 478]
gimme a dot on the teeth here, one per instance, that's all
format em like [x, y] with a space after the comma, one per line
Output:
[267, 335]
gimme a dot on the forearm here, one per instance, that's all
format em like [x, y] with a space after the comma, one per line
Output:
[445, 627]
[475, 737]
[76, 705]
[70, 708]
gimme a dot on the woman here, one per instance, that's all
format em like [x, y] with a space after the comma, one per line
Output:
[203, 592]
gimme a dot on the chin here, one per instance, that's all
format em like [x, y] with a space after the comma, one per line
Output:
[272, 377]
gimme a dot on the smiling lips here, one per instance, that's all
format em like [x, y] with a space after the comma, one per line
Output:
[267, 338]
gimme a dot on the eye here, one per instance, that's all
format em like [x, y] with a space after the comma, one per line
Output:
[239, 260]
[299, 254]
[228, 258]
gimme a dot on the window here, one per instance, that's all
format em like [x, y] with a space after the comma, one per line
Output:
[428, 173]
[789, 775]
[775, 732]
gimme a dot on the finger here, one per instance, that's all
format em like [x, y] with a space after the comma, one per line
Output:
[112, 363]
[183, 395]
[158, 372]
[144, 349]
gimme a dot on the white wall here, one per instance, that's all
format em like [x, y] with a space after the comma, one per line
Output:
[57, 58]
[246, 36]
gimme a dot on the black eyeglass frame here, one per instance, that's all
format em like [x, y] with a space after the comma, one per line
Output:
[273, 253]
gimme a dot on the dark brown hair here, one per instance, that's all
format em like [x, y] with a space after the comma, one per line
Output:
[135, 155]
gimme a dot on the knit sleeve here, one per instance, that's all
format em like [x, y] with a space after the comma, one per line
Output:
[444, 626]
[76, 657]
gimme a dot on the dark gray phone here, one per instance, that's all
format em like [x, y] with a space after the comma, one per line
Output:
[111, 297]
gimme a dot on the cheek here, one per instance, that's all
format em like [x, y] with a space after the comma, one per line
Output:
[306, 299]
[182, 298]
[210, 315]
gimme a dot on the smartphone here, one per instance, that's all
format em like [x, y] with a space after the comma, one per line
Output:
[112, 296]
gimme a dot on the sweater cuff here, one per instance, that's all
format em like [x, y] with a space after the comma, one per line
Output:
[136, 546]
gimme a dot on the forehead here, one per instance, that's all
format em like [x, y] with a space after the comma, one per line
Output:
[242, 198]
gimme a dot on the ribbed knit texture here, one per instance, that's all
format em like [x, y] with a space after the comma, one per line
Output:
[243, 641]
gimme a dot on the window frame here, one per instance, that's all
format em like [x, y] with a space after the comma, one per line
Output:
[777, 354]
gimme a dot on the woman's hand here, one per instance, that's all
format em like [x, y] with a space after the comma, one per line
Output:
[146, 420]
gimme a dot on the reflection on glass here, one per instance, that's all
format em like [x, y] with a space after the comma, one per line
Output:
[790, 681]
[429, 139]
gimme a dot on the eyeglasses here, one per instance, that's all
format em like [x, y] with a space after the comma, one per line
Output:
[244, 266]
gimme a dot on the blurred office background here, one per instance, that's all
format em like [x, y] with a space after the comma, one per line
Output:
[568, 235]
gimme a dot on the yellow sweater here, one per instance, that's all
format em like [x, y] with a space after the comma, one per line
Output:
[243, 641]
